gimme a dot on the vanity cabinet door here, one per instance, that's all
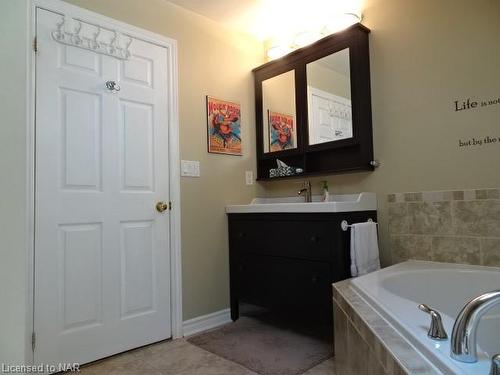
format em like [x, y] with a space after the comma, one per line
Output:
[288, 238]
[298, 286]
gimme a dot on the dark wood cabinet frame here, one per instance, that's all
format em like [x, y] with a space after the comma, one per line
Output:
[346, 155]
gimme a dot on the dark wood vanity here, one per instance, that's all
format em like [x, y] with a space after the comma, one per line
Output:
[288, 261]
[313, 111]
[313, 107]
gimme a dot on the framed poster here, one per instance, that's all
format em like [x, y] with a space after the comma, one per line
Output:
[224, 127]
[282, 135]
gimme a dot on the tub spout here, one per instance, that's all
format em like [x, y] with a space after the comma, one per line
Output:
[495, 365]
[463, 337]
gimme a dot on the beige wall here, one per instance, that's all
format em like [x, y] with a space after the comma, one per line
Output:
[425, 55]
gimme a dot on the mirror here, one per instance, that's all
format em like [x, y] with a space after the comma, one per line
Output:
[279, 114]
[329, 98]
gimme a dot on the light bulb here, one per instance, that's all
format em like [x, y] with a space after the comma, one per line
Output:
[278, 51]
[306, 37]
[342, 21]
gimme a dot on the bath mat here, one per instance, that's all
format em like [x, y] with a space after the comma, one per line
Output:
[267, 345]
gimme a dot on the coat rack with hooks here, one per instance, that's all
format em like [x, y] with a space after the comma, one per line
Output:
[115, 47]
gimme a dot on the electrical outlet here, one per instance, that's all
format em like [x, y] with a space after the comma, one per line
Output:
[190, 168]
[249, 177]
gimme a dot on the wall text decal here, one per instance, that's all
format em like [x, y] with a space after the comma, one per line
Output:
[478, 141]
[462, 105]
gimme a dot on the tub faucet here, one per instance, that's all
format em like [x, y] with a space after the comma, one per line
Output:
[463, 337]
[306, 191]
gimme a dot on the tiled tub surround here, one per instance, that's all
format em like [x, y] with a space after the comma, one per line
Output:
[461, 226]
[365, 343]
[379, 330]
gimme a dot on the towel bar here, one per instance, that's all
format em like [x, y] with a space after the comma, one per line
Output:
[345, 225]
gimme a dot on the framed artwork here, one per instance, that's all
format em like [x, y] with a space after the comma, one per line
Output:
[224, 127]
[282, 135]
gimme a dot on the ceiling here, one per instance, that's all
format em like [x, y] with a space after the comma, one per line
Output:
[239, 15]
[271, 19]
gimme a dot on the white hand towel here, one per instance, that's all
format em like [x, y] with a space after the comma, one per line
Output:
[364, 248]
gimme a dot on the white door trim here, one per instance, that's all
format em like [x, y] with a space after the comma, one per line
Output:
[59, 6]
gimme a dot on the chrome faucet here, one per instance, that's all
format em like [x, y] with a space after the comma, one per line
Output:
[495, 365]
[463, 337]
[306, 191]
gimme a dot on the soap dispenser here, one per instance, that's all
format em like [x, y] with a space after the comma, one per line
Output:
[326, 194]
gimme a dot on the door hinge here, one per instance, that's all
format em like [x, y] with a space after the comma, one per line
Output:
[35, 44]
[33, 341]
[170, 205]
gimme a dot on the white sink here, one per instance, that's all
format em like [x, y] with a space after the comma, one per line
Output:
[337, 203]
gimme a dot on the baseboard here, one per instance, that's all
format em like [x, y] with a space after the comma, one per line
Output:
[206, 322]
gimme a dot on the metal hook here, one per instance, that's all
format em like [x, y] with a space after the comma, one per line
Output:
[78, 27]
[59, 34]
[112, 46]
[76, 35]
[127, 46]
[61, 24]
[95, 43]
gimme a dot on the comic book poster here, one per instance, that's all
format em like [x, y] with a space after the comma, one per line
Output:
[224, 127]
[281, 132]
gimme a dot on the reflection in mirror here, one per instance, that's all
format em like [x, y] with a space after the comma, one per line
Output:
[329, 98]
[278, 106]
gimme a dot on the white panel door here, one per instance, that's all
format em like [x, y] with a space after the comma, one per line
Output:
[102, 257]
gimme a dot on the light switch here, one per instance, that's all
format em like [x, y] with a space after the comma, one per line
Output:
[249, 177]
[190, 168]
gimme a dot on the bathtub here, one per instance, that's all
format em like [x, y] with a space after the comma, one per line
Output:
[396, 291]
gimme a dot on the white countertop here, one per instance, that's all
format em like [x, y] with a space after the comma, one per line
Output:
[337, 203]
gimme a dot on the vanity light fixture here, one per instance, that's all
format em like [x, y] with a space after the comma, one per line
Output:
[278, 51]
[336, 23]
[306, 37]
[341, 22]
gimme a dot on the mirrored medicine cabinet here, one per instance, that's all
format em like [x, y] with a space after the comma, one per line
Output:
[313, 107]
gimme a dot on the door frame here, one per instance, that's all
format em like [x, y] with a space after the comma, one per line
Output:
[59, 6]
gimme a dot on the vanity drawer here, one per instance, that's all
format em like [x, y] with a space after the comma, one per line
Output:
[299, 285]
[286, 238]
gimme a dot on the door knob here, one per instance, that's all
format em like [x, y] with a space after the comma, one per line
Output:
[112, 86]
[161, 206]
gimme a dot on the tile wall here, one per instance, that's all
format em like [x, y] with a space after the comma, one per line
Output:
[460, 226]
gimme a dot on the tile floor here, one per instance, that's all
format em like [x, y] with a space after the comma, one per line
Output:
[178, 357]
